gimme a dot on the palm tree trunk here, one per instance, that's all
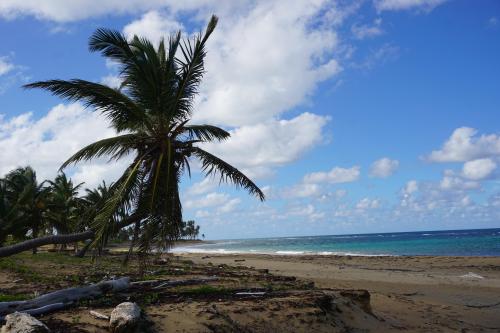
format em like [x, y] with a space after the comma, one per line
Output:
[35, 236]
[59, 239]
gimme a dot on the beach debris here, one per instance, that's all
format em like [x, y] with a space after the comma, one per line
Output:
[238, 260]
[62, 298]
[124, 318]
[98, 315]
[205, 257]
[172, 283]
[19, 322]
[471, 275]
[249, 293]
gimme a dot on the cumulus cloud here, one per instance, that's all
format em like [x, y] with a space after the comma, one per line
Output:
[452, 181]
[153, 25]
[209, 200]
[47, 142]
[241, 86]
[464, 145]
[384, 167]
[334, 176]
[302, 190]
[65, 11]
[479, 169]
[258, 148]
[394, 5]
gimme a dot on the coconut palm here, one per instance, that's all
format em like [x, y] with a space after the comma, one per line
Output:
[10, 223]
[150, 113]
[30, 198]
[64, 212]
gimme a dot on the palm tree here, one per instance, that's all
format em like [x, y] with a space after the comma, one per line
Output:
[10, 223]
[150, 113]
[63, 204]
[30, 199]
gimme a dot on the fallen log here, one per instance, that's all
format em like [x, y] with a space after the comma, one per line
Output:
[6, 251]
[62, 298]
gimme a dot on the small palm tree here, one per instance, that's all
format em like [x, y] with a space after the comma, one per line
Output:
[30, 198]
[63, 204]
[151, 113]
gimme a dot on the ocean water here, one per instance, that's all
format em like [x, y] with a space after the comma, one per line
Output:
[478, 242]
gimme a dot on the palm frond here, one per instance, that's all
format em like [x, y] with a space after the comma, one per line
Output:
[104, 147]
[191, 72]
[212, 165]
[116, 106]
[206, 133]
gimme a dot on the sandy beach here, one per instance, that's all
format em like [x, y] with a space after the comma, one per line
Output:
[421, 294]
[269, 293]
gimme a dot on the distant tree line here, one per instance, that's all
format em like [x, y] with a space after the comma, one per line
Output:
[30, 208]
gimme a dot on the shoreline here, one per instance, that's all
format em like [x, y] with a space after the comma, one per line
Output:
[313, 254]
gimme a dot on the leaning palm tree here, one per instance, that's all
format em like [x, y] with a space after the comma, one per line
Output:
[150, 113]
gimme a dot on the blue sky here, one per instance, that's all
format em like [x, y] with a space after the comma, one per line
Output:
[353, 116]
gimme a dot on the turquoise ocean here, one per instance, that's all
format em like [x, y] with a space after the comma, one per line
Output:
[477, 242]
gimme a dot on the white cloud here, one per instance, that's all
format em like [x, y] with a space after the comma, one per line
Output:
[272, 143]
[210, 200]
[384, 167]
[463, 145]
[65, 11]
[5, 65]
[230, 205]
[363, 31]
[203, 186]
[334, 176]
[153, 25]
[367, 203]
[411, 187]
[302, 190]
[479, 169]
[451, 181]
[112, 81]
[47, 142]
[241, 86]
[426, 5]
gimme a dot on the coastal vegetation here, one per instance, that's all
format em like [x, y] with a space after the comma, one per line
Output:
[150, 113]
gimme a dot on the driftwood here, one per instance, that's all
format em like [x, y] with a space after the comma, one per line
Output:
[62, 298]
[98, 315]
[248, 293]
